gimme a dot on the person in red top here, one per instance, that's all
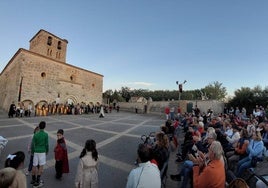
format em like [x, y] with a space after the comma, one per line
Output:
[61, 156]
[167, 111]
[212, 173]
[179, 111]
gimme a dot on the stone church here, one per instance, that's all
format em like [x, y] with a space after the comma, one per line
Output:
[41, 75]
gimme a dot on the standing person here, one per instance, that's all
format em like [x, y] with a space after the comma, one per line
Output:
[30, 151]
[40, 148]
[232, 139]
[172, 113]
[179, 111]
[16, 161]
[147, 175]
[30, 109]
[101, 112]
[12, 110]
[136, 109]
[61, 156]
[87, 173]
[167, 112]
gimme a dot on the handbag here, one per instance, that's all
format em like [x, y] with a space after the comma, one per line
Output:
[254, 161]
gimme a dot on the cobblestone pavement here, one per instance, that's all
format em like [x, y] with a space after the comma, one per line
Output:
[117, 136]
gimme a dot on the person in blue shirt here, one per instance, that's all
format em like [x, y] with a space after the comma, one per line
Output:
[255, 149]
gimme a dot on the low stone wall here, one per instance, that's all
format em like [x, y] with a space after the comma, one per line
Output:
[158, 107]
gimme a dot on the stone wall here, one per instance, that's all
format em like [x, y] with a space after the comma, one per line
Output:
[186, 106]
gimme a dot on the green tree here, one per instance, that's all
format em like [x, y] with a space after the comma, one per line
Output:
[249, 98]
[108, 94]
[244, 97]
[125, 93]
[117, 97]
[215, 91]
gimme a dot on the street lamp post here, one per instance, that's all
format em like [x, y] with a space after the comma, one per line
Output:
[180, 87]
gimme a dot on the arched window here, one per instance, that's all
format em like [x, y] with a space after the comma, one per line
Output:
[59, 45]
[49, 40]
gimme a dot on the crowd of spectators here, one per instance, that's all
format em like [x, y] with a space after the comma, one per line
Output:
[45, 109]
[221, 146]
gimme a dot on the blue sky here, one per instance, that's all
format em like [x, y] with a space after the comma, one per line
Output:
[149, 44]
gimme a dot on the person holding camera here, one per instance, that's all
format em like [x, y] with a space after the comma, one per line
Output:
[187, 168]
[207, 166]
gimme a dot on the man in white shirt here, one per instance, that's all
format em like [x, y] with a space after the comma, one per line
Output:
[147, 175]
[233, 139]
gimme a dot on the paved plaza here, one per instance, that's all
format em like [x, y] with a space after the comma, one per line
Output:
[117, 136]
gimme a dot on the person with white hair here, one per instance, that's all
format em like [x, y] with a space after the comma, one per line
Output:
[187, 166]
[203, 170]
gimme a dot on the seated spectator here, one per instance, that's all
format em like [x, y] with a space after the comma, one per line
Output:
[7, 177]
[209, 130]
[255, 149]
[147, 174]
[192, 136]
[238, 183]
[209, 173]
[265, 135]
[176, 123]
[240, 151]
[251, 128]
[227, 126]
[187, 167]
[201, 126]
[169, 127]
[232, 140]
[160, 152]
[16, 161]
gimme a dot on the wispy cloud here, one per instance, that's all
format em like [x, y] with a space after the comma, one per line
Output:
[138, 84]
